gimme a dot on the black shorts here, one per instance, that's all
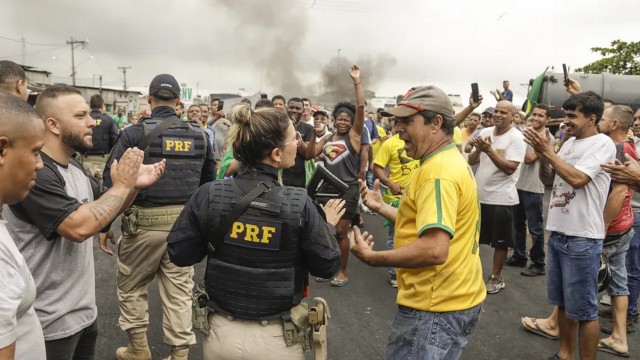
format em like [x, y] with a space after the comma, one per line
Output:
[497, 226]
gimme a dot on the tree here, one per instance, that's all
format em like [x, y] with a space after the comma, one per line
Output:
[620, 58]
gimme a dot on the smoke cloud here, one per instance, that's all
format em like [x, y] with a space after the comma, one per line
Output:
[273, 33]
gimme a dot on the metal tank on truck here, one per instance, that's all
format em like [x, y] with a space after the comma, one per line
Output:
[549, 89]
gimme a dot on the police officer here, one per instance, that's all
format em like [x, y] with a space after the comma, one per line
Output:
[142, 250]
[259, 260]
[104, 137]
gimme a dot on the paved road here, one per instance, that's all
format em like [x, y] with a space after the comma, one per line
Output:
[361, 312]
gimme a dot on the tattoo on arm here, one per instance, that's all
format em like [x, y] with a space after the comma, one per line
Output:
[106, 208]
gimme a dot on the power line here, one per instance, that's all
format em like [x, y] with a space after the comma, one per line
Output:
[29, 43]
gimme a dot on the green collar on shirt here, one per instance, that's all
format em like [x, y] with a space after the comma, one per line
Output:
[426, 157]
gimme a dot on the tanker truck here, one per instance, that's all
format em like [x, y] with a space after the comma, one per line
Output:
[549, 89]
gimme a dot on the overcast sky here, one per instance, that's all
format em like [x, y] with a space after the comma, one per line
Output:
[225, 45]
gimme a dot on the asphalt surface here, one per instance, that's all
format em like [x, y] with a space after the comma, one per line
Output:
[361, 312]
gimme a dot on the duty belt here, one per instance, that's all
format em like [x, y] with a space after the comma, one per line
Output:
[154, 218]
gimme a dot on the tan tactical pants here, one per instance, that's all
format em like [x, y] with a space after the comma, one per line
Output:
[231, 339]
[94, 164]
[141, 257]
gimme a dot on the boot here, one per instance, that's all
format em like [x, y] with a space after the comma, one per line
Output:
[178, 353]
[138, 349]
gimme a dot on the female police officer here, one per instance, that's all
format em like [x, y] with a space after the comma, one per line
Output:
[259, 260]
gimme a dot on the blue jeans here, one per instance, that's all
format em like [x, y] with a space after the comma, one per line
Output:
[423, 335]
[633, 267]
[392, 270]
[572, 275]
[616, 255]
[370, 179]
[529, 213]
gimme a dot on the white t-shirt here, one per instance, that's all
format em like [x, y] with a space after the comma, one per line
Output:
[579, 212]
[18, 319]
[494, 186]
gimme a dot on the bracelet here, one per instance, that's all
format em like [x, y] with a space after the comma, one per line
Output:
[358, 83]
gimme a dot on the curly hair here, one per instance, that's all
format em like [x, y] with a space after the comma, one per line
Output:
[344, 107]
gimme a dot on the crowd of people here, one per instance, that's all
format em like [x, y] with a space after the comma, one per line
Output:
[197, 183]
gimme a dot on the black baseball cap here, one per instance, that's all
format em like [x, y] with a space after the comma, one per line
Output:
[164, 87]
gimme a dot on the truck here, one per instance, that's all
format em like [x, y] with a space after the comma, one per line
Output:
[620, 89]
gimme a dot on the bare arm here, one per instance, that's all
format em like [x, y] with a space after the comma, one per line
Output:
[574, 177]
[506, 166]
[464, 113]
[355, 134]
[90, 218]
[530, 157]
[364, 156]
[474, 157]
[320, 145]
[614, 203]
[373, 200]
[546, 172]
[431, 249]
[8, 352]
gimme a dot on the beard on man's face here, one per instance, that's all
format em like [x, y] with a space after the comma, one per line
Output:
[74, 141]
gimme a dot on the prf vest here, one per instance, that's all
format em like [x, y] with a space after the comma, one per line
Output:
[256, 271]
[100, 137]
[184, 146]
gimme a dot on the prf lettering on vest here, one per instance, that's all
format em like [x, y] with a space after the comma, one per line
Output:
[178, 145]
[98, 122]
[253, 233]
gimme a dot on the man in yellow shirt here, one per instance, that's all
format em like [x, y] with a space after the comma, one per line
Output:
[440, 280]
[392, 154]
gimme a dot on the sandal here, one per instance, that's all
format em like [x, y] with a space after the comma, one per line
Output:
[339, 282]
[537, 329]
[603, 346]
[319, 279]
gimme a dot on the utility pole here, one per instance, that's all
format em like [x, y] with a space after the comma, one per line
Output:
[338, 70]
[124, 73]
[24, 51]
[73, 44]
[100, 79]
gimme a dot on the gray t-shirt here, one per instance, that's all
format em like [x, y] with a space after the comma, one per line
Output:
[529, 179]
[63, 270]
[220, 129]
[18, 320]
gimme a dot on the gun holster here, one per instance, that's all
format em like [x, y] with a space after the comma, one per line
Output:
[200, 312]
[319, 316]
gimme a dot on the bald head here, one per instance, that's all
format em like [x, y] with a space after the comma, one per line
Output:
[13, 79]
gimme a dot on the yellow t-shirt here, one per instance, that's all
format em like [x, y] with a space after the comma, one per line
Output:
[381, 133]
[457, 136]
[442, 194]
[401, 166]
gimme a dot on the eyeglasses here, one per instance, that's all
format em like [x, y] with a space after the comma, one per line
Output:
[298, 139]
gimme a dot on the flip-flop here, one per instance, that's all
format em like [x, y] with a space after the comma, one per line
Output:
[319, 279]
[602, 346]
[339, 282]
[537, 329]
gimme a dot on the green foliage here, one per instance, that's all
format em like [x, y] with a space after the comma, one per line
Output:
[620, 58]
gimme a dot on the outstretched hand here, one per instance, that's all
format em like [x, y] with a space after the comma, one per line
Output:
[361, 244]
[371, 198]
[149, 174]
[354, 72]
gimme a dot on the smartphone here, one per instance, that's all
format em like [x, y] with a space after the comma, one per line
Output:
[263, 96]
[220, 105]
[566, 73]
[475, 93]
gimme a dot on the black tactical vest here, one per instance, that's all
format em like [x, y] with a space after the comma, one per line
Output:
[256, 271]
[184, 145]
[100, 136]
